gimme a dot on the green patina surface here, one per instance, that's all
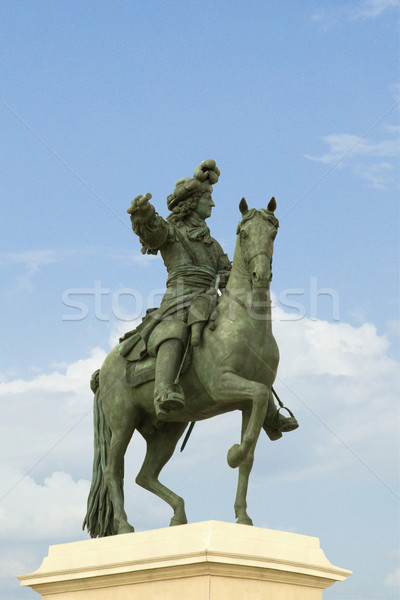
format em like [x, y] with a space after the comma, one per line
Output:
[215, 312]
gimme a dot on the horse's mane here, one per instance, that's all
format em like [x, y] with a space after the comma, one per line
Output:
[263, 212]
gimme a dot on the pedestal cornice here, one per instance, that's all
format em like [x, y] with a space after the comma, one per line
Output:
[209, 549]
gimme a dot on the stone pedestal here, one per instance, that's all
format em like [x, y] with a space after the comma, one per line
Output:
[202, 561]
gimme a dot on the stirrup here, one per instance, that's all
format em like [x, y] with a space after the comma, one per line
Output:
[172, 399]
[286, 423]
[281, 423]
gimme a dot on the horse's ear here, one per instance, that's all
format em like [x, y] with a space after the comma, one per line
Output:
[271, 205]
[243, 206]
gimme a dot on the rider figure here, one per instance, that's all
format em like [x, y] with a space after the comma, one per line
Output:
[196, 266]
[193, 260]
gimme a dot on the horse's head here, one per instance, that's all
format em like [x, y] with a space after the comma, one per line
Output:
[257, 231]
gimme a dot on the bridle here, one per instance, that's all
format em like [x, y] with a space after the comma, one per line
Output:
[268, 216]
[248, 260]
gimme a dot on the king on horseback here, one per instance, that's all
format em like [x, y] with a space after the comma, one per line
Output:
[198, 355]
[197, 268]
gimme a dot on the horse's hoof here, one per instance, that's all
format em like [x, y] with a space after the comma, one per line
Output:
[244, 521]
[234, 459]
[125, 529]
[174, 521]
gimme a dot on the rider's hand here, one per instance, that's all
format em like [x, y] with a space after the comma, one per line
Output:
[140, 206]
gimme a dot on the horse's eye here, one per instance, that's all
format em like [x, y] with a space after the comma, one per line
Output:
[243, 235]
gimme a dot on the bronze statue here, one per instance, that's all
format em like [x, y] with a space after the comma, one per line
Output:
[196, 356]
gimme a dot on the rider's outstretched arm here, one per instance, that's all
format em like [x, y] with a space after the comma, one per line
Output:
[152, 229]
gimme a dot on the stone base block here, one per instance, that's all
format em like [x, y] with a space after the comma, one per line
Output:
[201, 561]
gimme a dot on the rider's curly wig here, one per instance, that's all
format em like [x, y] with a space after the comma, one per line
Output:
[184, 209]
[188, 190]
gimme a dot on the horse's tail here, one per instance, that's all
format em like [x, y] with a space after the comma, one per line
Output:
[99, 519]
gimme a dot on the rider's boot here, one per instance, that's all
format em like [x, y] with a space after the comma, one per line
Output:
[168, 396]
[275, 423]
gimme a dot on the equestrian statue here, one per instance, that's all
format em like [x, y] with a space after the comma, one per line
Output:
[207, 350]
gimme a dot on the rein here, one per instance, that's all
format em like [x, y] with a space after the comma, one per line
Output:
[238, 300]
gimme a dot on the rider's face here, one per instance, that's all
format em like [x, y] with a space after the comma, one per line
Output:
[204, 206]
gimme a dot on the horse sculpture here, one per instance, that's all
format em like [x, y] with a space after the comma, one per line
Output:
[233, 368]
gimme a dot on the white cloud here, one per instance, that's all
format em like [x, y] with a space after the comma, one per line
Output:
[47, 419]
[55, 508]
[75, 378]
[316, 347]
[326, 18]
[380, 175]
[37, 257]
[343, 148]
[393, 579]
[343, 144]
[371, 9]
[33, 262]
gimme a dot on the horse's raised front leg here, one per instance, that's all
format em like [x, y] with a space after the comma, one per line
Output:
[244, 472]
[160, 447]
[233, 388]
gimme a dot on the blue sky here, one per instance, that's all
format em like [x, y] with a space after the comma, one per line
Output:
[102, 101]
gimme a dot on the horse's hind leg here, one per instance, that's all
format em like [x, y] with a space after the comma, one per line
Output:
[243, 481]
[160, 447]
[114, 474]
[122, 430]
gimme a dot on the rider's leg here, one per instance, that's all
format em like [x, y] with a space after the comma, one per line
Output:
[167, 394]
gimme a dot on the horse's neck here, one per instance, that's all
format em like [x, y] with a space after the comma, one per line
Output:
[250, 307]
[239, 279]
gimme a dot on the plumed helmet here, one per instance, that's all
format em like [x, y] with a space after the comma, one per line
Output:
[205, 175]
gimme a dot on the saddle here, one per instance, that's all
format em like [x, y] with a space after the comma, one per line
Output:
[144, 370]
[134, 345]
